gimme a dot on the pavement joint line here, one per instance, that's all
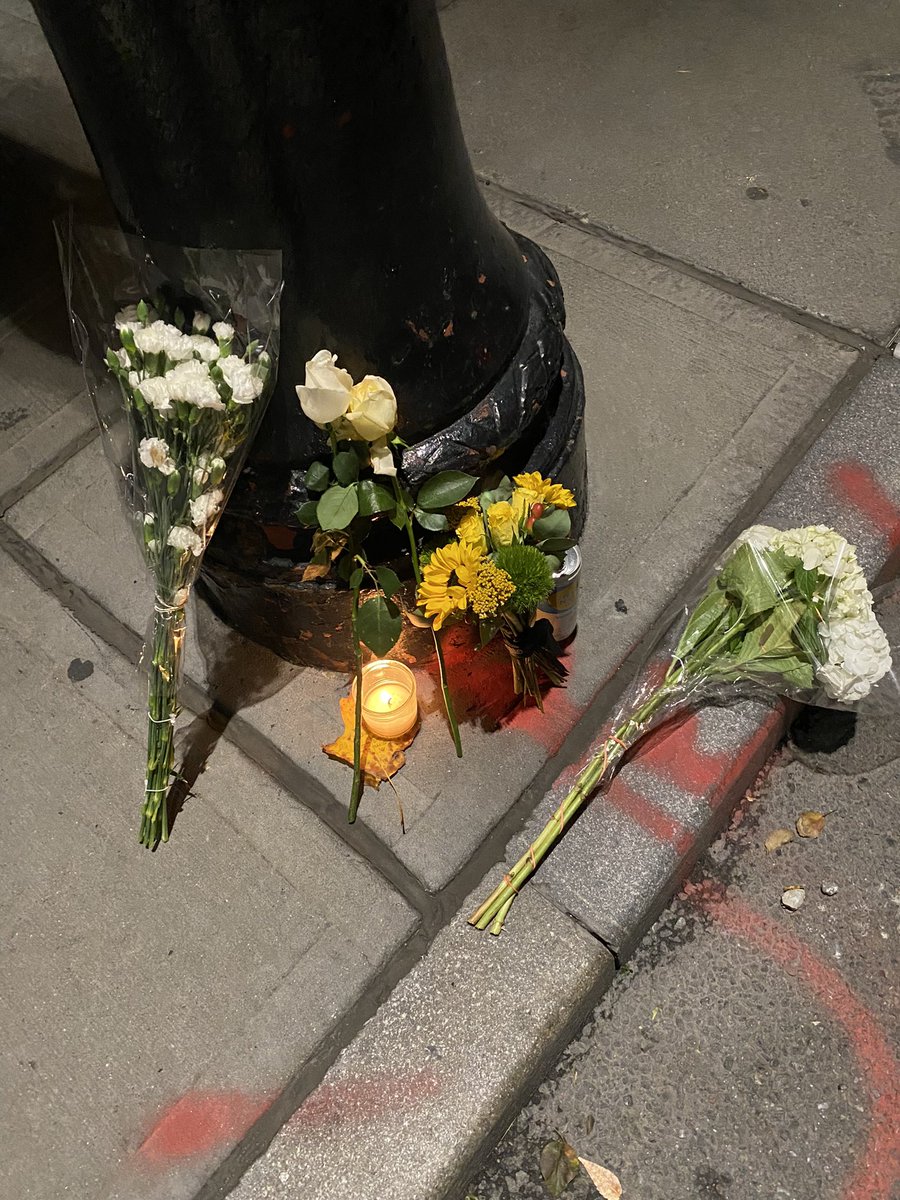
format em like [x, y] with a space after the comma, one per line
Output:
[36, 477]
[798, 316]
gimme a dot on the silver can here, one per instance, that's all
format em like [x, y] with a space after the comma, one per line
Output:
[561, 606]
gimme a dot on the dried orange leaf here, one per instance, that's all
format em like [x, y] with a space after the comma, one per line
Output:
[810, 824]
[778, 838]
[380, 757]
[604, 1181]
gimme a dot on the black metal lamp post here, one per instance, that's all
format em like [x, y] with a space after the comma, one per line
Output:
[328, 129]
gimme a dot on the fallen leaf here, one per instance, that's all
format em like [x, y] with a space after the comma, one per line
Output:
[778, 838]
[380, 758]
[810, 824]
[604, 1181]
[559, 1165]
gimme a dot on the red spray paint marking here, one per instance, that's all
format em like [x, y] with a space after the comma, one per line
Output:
[878, 1168]
[649, 816]
[203, 1121]
[856, 484]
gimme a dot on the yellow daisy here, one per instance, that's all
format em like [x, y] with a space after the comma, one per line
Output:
[450, 571]
[544, 491]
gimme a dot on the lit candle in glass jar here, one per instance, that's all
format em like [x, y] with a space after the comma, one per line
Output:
[389, 704]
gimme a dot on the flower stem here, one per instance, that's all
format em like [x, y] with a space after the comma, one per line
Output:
[162, 708]
[403, 508]
[357, 786]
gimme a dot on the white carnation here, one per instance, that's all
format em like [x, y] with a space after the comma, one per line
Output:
[149, 518]
[204, 348]
[205, 507]
[223, 331]
[134, 379]
[122, 356]
[243, 379]
[190, 383]
[155, 391]
[201, 322]
[182, 537]
[154, 452]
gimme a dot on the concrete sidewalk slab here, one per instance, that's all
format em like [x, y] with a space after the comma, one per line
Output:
[759, 140]
[660, 352]
[132, 981]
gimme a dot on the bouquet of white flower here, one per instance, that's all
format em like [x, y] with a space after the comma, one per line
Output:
[192, 407]
[785, 612]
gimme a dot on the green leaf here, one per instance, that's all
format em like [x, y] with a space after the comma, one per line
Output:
[556, 545]
[373, 498]
[379, 626]
[756, 578]
[345, 567]
[306, 513]
[705, 618]
[488, 628]
[503, 491]
[390, 584]
[556, 524]
[317, 477]
[356, 578]
[559, 1165]
[345, 465]
[795, 670]
[444, 489]
[771, 636]
[337, 507]
[435, 522]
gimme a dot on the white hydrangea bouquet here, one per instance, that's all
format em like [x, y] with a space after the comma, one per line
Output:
[192, 395]
[786, 612]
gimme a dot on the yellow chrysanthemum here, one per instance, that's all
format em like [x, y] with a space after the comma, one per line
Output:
[503, 524]
[446, 578]
[471, 529]
[490, 591]
[521, 502]
[544, 491]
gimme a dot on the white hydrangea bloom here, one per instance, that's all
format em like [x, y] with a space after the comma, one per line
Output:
[858, 656]
[201, 322]
[182, 537]
[205, 507]
[223, 331]
[154, 452]
[155, 391]
[190, 383]
[204, 348]
[760, 537]
[818, 548]
[243, 379]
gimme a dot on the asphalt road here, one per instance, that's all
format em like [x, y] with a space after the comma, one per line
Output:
[748, 1051]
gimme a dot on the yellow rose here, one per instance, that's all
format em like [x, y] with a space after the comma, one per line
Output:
[373, 410]
[502, 523]
[521, 505]
[471, 531]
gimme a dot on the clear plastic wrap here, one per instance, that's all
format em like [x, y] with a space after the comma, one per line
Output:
[783, 613]
[179, 348]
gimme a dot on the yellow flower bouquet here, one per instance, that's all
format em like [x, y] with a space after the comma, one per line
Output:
[498, 570]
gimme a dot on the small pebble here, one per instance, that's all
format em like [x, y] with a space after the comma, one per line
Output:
[829, 889]
[793, 897]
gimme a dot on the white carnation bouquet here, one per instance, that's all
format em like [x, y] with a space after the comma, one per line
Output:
[193, 396]
[785, 612]
[179, 380]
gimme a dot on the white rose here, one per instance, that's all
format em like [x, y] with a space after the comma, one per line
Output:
[205, 507]
[155, 391]
[242, 378]
[201, 322]
[182, 537]
[373, 410]
[154, 452]
[382, 458]
[203, 348]
[327, 392]
[223, 331]
[190, 383]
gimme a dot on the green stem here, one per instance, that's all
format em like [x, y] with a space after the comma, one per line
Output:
[403, 508]
[357, 787]
[162, 707]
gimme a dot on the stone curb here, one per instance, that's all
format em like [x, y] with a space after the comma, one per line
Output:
[483, 1017]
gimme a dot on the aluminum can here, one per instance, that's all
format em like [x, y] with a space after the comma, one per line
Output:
[561, 606]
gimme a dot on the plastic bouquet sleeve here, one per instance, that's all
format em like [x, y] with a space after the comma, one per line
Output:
[179, 348]
[784, 613]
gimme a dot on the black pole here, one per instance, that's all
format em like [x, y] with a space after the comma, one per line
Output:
[328, 129]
